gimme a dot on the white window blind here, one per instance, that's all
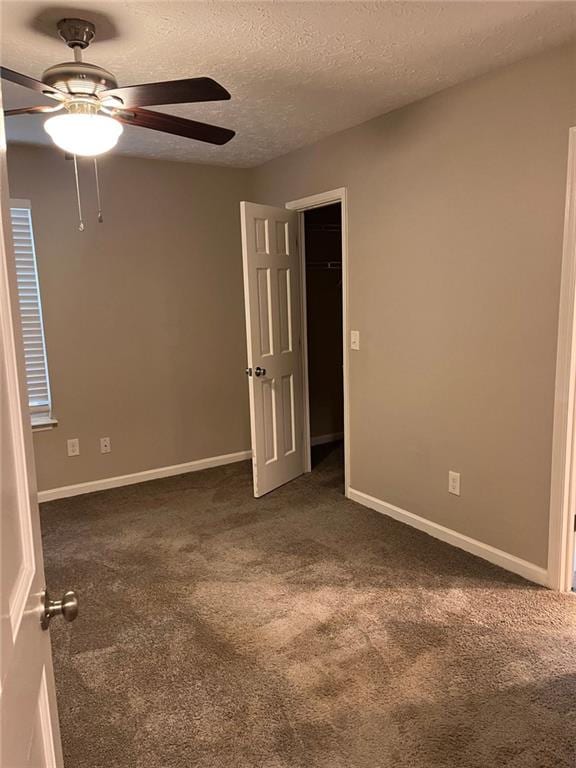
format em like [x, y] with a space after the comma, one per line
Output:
[37, 382]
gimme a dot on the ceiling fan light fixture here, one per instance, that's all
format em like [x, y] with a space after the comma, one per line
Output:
[86, 135]
[98, 108]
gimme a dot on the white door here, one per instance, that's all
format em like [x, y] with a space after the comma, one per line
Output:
[273, 330]
[29, 723]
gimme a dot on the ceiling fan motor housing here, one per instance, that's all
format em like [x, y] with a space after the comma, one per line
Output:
[79, 77]
[77, 33]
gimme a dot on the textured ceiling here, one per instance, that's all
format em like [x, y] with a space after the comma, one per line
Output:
[297, 71]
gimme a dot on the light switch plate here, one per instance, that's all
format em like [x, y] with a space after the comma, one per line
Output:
[354, 339]
[105, 445]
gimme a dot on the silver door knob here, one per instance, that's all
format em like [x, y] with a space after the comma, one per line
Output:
[67, 607]
[259, 371]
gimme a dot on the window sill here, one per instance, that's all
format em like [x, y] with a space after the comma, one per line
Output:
[42, 423]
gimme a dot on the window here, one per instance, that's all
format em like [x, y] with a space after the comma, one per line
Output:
[37, 383]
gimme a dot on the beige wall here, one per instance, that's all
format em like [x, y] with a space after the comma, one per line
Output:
[455, 237]
[143, 314]
[455, 233]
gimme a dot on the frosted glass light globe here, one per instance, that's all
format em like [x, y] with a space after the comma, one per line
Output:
[84, 134]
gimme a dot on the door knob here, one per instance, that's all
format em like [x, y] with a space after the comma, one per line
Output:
[67, 607]
[259, 371]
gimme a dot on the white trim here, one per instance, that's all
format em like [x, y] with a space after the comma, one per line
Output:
[304, 204]
[328, 438]
[509, 562]
[40, 423]
[317, 201]
[46, 727]
[16, 396]
[563, 476]
[306, 435]
[141, 477]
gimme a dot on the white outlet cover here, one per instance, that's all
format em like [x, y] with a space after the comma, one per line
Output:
[354, 339]
[73, 446]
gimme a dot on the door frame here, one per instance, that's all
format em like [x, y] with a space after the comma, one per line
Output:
[300, 206]
[563, 475]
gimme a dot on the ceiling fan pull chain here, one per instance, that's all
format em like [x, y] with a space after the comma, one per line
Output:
[100, 218]
[81, 225]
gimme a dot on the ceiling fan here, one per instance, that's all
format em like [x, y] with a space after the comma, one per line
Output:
[95, 108]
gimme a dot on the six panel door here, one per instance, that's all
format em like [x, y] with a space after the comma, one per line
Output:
[273, 328]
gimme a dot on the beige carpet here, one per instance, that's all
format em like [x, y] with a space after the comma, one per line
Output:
[296, 631]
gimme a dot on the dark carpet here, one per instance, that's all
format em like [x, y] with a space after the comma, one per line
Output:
[299, 630]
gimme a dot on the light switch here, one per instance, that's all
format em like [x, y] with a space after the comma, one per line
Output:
[454, 483]
[354, 339]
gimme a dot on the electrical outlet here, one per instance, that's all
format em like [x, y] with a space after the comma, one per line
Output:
[354, 339]
[73, 446]
[105, 445]
[454, 483]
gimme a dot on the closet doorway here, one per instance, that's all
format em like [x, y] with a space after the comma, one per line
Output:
[322, 245]
[323, 264]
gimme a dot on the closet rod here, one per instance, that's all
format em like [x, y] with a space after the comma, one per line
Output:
[324, 265]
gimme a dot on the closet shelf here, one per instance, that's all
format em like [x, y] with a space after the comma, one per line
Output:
[324, 265]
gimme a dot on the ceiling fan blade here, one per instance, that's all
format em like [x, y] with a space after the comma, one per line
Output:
[157, 121]
[170, 92]
[31, 83]
[32, 110]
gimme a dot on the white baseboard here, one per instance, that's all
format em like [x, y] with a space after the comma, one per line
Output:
[333, 437]
[141, 477]
[509, 562]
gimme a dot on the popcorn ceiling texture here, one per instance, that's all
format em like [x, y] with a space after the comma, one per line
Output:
[297, 71]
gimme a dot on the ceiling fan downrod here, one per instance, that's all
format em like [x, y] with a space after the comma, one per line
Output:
[77, 34]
